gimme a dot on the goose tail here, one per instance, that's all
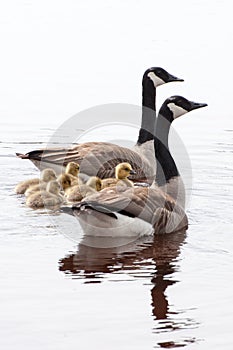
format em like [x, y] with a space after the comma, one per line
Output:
[22, 156]
[67, 210]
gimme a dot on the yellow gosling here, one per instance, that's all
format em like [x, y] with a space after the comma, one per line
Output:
[65, 181]
[77, 193]
[72, 169]
[122, 172]
[47, 175]
[49, 198]
[24, 185]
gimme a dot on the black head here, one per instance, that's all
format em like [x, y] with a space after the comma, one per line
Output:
[159, 76]
[179, 105]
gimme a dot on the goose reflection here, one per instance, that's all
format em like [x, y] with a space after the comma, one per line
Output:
[157, 256]
[154, 258]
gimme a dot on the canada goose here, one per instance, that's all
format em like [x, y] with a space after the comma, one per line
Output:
[138, 210]
[167, 175]
[33, 185]
[122, 172]
[78, 192]
[102, 157]
[47, 198]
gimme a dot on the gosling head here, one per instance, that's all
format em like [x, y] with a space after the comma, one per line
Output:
[124, 170]
[64, 181]
[158, 76]
[53, 187]
[48, 175]
[95, 183]
[178, 105]
[72, 168]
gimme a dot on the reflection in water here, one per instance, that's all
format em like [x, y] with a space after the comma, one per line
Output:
[153, 258]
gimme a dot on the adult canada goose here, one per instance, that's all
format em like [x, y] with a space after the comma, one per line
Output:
[122, 172]
[36, 183]
[78, 192]
[102, 157]
[139, 210]
[47, 198]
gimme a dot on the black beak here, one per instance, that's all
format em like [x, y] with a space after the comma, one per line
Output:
[132, 172]
[196, 105]
[173, 78]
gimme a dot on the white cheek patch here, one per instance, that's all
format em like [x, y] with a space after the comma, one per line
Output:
[156, 80]
[176, 110]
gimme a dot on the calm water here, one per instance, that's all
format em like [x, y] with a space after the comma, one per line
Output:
[163, 292]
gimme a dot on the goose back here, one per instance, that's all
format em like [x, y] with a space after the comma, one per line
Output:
[95, 159]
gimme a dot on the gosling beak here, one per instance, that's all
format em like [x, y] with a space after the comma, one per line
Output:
[196, 105]
[132, 172]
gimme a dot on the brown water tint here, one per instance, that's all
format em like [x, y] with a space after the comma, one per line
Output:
[153, 260]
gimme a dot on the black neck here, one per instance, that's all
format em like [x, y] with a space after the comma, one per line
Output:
[166, 166]
[148, 111]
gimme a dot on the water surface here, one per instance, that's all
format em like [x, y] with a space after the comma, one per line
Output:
[159, 292]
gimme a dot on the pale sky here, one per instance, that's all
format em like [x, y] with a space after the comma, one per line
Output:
[60, 57]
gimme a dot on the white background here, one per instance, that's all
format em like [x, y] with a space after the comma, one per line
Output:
[59, 57]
